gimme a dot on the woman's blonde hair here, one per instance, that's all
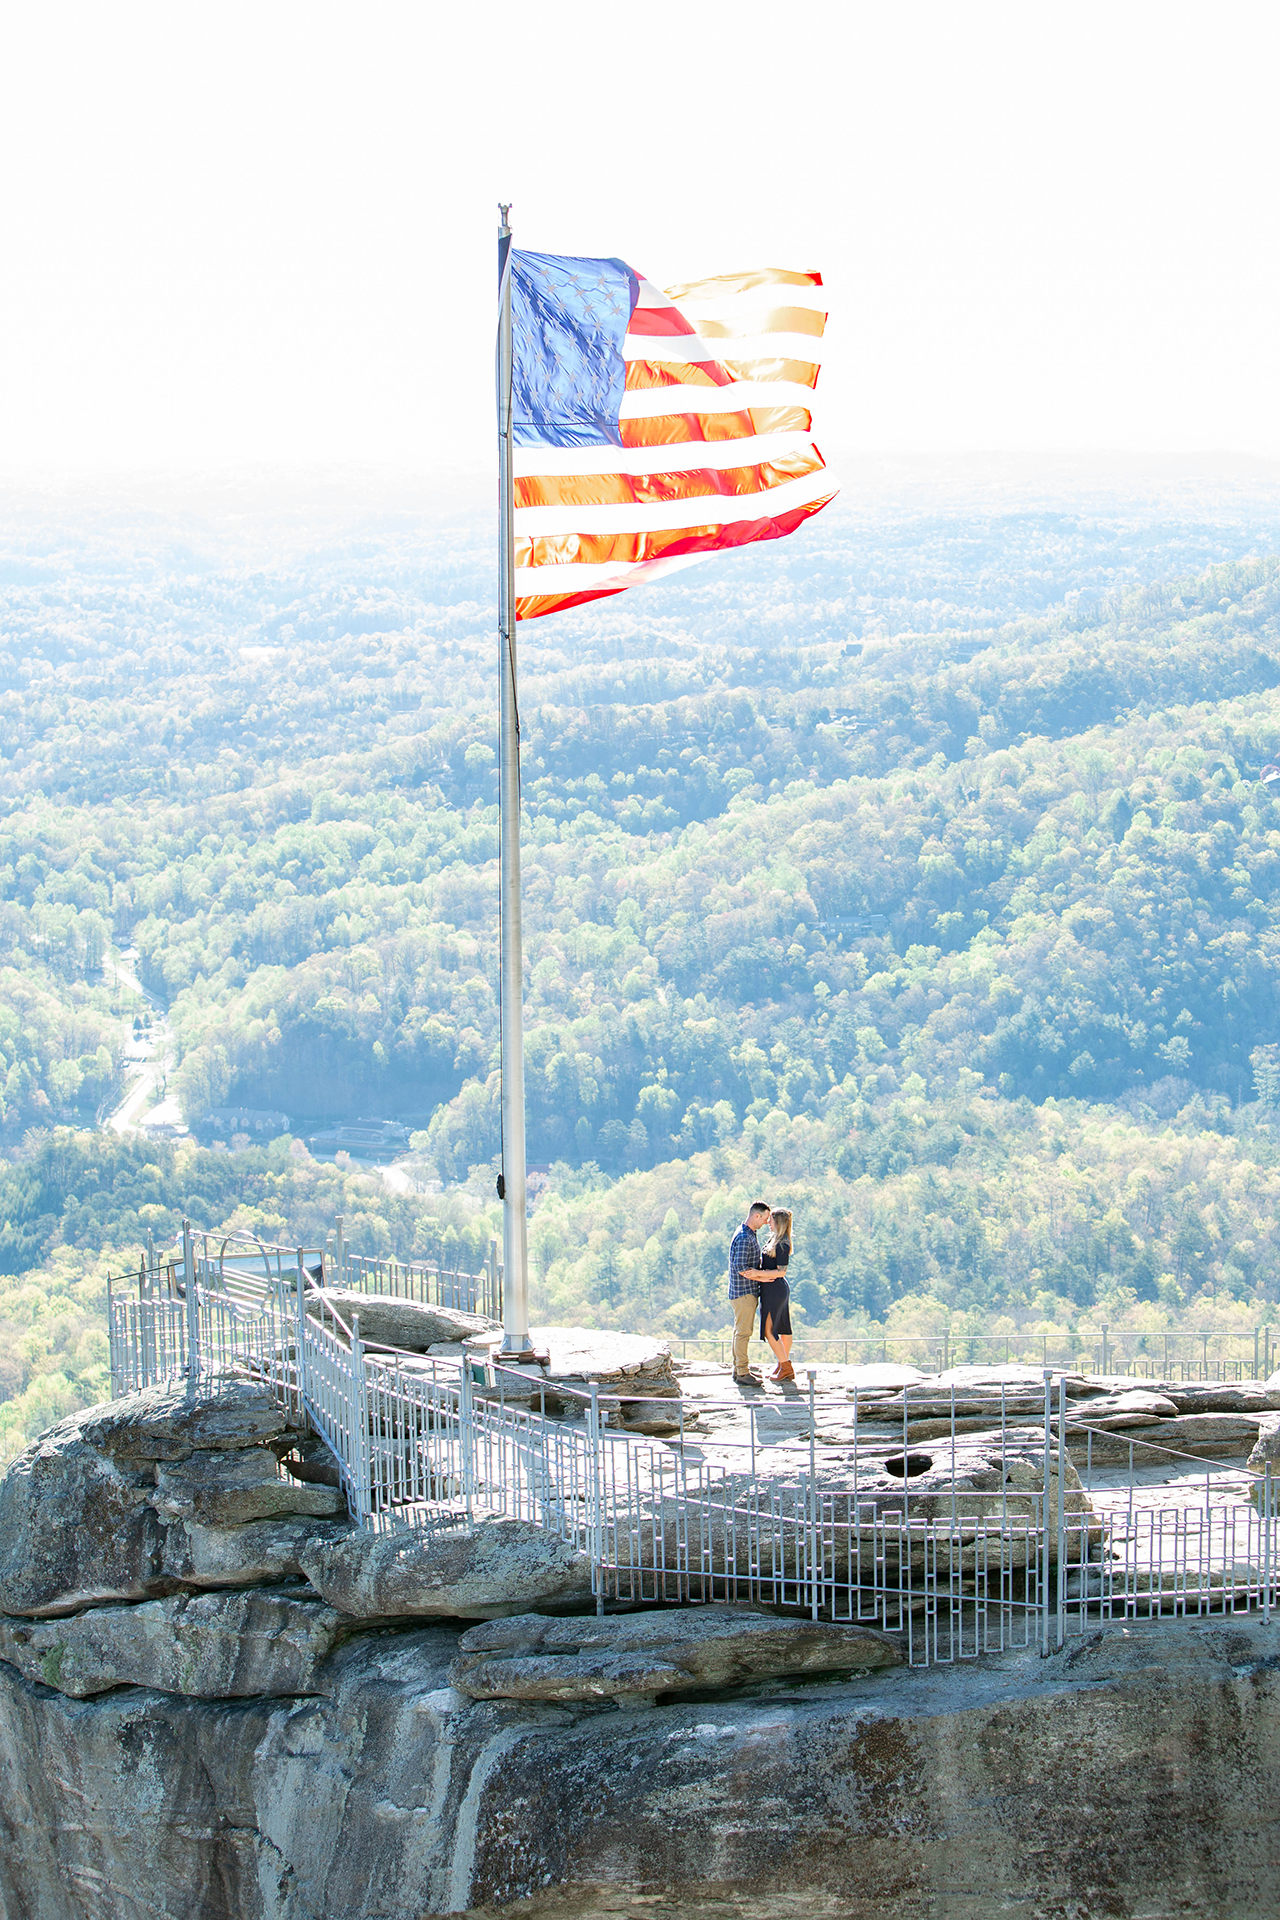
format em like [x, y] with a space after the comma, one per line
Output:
[781, 1223]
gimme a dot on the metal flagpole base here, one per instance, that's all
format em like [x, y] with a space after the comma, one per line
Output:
[525, 1356]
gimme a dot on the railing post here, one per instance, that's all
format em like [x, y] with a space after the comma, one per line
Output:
[193, 1306]
[1266, 1541]
[1062, 1512]
[813, 1497]
[466, 1436]
[597, 1531]
[339, 1251]
[359, 1411]
[111, 1342]
[1044, 1513]
[300, 1355]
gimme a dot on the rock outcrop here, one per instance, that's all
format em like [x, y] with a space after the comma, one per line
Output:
[627, 1364]
[1266, 1447]
[225, 1742]
[635, 1658]
[1135, 1774]
[173, 1421]
[1162, 1419]
[1221, 1396]
[412, 1325]
[261, 1551]
[1266, 1453]
[469, 1572]
[1154, 1442]
[159, 1490]
[230, 1489]
[215, 1646]
[984, 1476]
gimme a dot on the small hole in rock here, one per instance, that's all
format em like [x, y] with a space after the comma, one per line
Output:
[905, 1466]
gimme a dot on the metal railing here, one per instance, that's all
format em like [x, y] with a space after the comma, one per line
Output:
[1192, 1355]
[244, 1268]
[959, 1542]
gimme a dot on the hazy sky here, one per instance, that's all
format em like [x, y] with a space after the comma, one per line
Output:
[265, 233]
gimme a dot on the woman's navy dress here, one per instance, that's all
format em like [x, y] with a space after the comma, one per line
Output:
[775, 1294]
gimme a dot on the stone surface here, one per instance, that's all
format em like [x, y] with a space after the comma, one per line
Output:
[228, 1489]
[169, 1422]
[659, 1416]
[410, 1325]
[262, 1551]
[1266, 1451]
[934, 1426]
[212, 1645]
[79, 1522]
[1190, 1583]
[310, 1461]
[620, 1363]
[882, 1376]
[1120, 1412]
[983, 1478]
[76, 1528]
[475, 1572]
[1216, 1396]
[967, 1392]
[1113, 1409]
[1202, 1436]
[961, 1490]
[631, 1657]
[1013, 1377]
[1135, 1776]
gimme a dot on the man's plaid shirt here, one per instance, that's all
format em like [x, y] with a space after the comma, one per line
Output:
[744, 1263]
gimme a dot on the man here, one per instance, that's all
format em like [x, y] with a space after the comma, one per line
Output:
[744, 1289]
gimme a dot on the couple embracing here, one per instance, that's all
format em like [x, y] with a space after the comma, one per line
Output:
[758, 1276]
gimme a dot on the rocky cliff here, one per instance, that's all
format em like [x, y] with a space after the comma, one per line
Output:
[307, 1723]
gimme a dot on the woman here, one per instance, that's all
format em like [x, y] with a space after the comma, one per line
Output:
[775, 1294]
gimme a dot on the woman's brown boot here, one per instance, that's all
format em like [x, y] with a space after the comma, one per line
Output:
[785, 1371]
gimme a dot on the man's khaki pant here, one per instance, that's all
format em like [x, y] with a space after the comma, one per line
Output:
[744, 1315]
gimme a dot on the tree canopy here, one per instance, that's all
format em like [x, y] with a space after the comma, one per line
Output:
[925, 870]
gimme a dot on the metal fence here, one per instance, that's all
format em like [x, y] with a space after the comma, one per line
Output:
[1207, 1353]
[961, 1544]
[243, 1267]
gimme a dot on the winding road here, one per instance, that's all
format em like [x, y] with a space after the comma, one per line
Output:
[149, 1059]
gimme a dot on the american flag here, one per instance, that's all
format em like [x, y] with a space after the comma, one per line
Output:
[653, 428]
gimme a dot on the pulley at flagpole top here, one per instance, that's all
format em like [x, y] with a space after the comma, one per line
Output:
[512, 1182]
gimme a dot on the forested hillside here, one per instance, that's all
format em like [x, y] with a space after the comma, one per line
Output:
[919, 867]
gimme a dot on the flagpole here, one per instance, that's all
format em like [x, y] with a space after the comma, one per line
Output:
[512, 1183]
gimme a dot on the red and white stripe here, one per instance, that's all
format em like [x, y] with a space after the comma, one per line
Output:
[716, 446]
